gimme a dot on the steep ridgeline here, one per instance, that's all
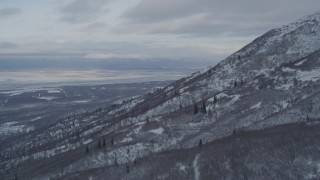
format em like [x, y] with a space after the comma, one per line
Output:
[269, 83]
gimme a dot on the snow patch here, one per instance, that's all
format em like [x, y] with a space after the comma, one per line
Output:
[288, 69]
[87, 141]
[54, 91]
[284, 86]
[235, 98]
[157, 131]
[35, 119]
[301, 62]
[126, 140]
[221, 95]
[196, 168]
[256, 106]
[169, 88]
[10, 128]
[137, 130]
[182, 167]
[313, 75]
[48, 98]
[82, 101]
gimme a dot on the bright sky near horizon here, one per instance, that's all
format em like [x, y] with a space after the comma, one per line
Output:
[173, 29]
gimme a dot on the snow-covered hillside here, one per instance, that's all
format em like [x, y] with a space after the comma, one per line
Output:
[274, 80]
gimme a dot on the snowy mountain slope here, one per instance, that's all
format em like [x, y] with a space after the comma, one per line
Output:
[270, 82]
[242, 156]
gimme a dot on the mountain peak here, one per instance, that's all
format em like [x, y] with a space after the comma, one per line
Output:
[278, 46]
[312, 19]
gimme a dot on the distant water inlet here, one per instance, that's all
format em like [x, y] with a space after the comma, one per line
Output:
[52, 77]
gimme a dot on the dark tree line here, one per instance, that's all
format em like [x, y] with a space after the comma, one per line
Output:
[203, 108]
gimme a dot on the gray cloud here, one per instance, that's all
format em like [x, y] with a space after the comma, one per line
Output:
[94, 27]
[7, 45]
[155, 10]
[213, 17]
[80, 11]
[207, 26]
[125, 28]
[9, 11]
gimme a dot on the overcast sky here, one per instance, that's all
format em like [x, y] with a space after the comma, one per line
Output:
[174, 29]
